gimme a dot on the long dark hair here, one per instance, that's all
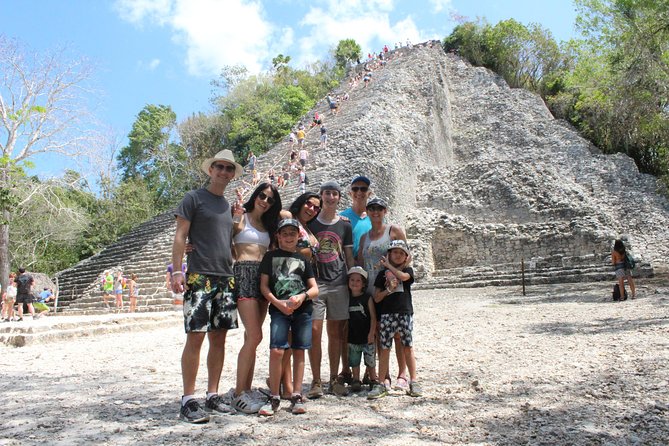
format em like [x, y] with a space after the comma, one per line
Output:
[270, 218]
[299, 202]
[619, 247]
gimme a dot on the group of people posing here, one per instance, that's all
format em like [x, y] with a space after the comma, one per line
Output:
[305, 266]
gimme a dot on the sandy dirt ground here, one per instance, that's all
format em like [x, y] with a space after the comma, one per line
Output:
[561, 366]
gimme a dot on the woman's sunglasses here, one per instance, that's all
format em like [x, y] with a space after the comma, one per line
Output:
[310, 205]
[264, 197]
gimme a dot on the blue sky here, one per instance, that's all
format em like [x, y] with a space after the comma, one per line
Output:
[168, 51]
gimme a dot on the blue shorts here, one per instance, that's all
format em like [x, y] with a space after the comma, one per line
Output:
[299, 324]
[119, 291]
[209, 303]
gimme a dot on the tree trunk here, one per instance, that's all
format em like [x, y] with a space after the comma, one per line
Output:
[4, 251]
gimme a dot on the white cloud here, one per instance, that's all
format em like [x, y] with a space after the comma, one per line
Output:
[440, 5]
[215, 33]
[367, 22]
[136, 11]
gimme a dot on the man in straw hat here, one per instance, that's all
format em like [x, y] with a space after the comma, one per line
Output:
[204, 218]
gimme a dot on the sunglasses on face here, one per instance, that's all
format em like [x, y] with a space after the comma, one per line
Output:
[310, 205]
[359, 188]
[226, 167]
[376, 208]
[262, 196]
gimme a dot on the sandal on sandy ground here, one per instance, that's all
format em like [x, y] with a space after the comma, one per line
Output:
[401, 384]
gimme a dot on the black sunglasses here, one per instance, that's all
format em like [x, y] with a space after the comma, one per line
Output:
[359, 188]
[264, 197]
[375, 208]
[226, 167]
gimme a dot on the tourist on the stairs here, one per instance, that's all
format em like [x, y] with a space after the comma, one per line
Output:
[204, 218]
[107, 287]
[133, 292]
[373, 246]
[302, 179]
[300, 137]
[251, 161]
[304, 154]
[324, 136]
[252, 237]
[359, 192]
[119, 281]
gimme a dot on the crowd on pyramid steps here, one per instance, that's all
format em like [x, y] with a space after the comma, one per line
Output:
[291, 167]
[310, 267]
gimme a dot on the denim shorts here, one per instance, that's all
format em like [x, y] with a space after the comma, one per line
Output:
[358, 351]
[209, 303]
[389, 324]
[281, 324]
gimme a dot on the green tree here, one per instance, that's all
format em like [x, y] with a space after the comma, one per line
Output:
[347, 50]
[620, 82]
[42, 110]
[152, 156]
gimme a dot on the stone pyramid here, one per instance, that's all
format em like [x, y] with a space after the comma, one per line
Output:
[484, 179]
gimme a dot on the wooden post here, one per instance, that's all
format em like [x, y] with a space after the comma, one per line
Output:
[522, 272]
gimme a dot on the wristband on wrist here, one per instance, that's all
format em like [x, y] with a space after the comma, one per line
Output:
[178, 273]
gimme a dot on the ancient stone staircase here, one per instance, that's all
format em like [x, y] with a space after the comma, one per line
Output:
[145, 250]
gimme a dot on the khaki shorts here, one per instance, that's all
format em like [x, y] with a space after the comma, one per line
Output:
[332, 303]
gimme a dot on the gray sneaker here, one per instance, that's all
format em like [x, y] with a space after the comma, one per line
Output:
[378, 391]
[415, 389]
[217, 404]
[246, 404]
[192, 412]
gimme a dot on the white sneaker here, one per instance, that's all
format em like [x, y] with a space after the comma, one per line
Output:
[245, 403]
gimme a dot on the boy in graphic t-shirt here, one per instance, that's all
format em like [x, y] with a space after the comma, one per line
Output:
[287, 282]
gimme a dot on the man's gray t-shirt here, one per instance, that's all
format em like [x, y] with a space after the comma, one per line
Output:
[331, 258]
[210, 232]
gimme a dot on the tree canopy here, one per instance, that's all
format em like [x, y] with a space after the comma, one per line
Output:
[613, 84]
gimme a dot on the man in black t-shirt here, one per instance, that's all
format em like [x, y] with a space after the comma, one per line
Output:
[24, 295]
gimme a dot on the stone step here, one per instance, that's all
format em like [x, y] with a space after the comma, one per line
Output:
[53, 328]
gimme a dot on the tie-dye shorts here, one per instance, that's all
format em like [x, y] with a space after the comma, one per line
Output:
[209, 303]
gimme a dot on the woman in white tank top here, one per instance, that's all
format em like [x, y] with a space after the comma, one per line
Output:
[252, 236]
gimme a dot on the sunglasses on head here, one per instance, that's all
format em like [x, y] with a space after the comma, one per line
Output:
[264, 197]
[226, 167]
[310, 205]
[359, 188]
